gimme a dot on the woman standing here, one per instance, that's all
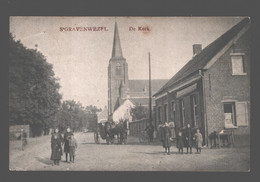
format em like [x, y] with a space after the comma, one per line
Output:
[199, 140]
[166, 138]
[56, 149]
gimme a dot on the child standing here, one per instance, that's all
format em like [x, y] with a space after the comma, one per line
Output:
[72, 148]
[180, 142]
[199, 140]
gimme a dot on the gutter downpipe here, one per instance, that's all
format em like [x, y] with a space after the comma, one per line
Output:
[205, 106]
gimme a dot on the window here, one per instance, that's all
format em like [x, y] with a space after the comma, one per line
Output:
[118, 69]
[238, 65]
[182, 112]
[159, 114]
[229, 112]
[194, 108]
[166, 112]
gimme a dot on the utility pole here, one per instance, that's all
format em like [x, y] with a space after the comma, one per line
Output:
[150, 93]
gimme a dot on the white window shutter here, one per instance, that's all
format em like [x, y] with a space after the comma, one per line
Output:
[241, 114]
[237, 64]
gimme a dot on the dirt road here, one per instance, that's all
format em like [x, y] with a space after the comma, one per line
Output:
[130, 157]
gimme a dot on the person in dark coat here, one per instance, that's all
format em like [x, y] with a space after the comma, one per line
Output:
[56, 131]
[56, 149]
[213, 139]
[180, 143]
[150, 130]
[166, 132]
[67, 137]
[188, 138]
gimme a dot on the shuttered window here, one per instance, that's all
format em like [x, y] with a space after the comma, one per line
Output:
[241, 114]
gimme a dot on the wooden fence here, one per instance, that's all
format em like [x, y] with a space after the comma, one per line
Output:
[136, 127]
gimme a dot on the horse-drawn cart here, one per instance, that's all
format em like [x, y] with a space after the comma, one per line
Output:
[109, 129]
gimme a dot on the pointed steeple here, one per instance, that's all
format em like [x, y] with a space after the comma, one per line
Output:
[116, 51]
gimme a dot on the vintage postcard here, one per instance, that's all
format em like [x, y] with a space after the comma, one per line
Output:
[129, 93]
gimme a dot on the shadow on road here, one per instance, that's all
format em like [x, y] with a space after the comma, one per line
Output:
[45, 160]
[157, 153]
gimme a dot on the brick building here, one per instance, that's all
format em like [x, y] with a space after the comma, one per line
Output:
[120, 88]
[212, 91]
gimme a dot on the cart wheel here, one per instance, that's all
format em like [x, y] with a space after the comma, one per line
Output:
[96, 137]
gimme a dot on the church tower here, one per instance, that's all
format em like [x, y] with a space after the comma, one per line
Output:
[117, 75]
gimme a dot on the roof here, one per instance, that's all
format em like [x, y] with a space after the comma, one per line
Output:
[116, 50]
[140, 88]
[201, 59]
[142, 101]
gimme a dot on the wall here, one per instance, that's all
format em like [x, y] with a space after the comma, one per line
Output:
[221, 85]
[171, 97]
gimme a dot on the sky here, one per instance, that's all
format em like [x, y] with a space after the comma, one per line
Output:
[80, 58]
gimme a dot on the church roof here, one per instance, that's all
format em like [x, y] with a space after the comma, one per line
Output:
[201, 59]
[140, 88]
[117, 50]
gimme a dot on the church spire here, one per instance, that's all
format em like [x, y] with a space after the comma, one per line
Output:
[116, 51]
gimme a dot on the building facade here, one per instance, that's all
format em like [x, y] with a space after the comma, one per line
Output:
[212, 91]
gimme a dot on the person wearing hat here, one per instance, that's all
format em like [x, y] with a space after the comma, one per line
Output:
[188, 138]
[67, 137]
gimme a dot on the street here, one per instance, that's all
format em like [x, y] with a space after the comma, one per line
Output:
[130, 157]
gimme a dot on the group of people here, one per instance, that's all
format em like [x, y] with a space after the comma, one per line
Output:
[185, 138]
[68, 141]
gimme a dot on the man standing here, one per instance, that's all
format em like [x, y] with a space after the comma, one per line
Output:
[150, 130]
[67, 137]
[188, 138]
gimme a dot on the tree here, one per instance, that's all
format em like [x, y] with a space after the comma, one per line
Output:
[139, 112]
[72, 114]
[33, 89]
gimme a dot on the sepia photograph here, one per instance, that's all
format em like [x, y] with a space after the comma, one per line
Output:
[105, 93]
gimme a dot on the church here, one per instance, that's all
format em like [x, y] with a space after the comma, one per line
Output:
[120, 87]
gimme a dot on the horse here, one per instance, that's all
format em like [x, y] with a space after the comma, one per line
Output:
[112, 129]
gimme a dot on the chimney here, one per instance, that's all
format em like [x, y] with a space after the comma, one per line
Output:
[196, 48]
